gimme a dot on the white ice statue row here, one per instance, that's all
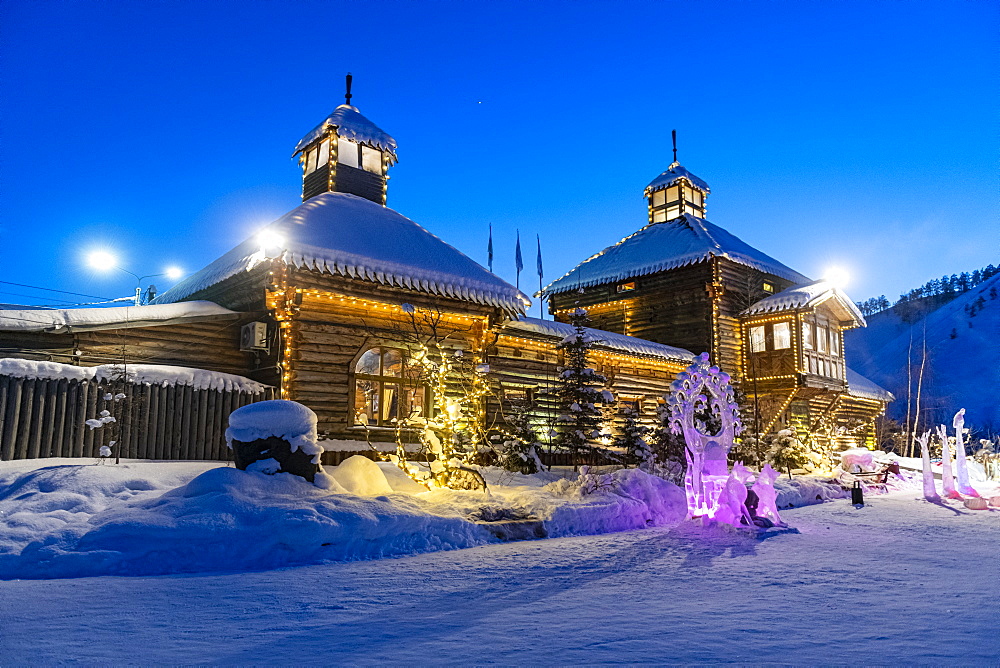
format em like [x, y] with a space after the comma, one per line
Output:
[954, 478]
[704, 410]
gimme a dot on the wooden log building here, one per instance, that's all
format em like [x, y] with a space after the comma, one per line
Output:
[328, 303]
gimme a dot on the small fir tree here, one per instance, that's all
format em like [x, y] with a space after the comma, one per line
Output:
[787, 452]
[519, 449]
[578, 391]
[632, 440]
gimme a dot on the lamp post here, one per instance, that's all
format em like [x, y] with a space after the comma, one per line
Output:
[103, 260]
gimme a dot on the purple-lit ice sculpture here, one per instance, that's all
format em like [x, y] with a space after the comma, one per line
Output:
[767, 497]
[698, 390]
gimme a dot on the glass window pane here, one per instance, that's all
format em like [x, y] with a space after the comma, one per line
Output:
[659, 198]
[323, 158]
[834, 343]
[807, 335]
[371, 159]
[694, 197]
[821, 338]
[659, 216]
[782, 336]
[673, 212]
[347, 152]
[366, 402]
[310, 161]
[414, 401]
[757, 339]
[390, 403]
[368, 363]
[392, 362]
[690, 210]
[673, 193]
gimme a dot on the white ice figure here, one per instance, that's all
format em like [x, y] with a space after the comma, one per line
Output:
[930, 491]
[961, 469]
[947, 478]
[767, 497]
[698, 389]
[730, 507]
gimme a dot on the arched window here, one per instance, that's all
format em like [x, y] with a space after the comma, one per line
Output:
[386, 388]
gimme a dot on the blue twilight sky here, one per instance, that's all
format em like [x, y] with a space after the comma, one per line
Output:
[859, 134]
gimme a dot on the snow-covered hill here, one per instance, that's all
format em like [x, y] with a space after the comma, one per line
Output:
[963, 369]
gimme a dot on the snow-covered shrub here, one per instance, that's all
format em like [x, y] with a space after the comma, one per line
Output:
[632, 439]
[519, 445]
[787, 452]
[584, 484]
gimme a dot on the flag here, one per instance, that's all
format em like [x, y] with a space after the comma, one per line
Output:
[540, 272]
[489, 249]
[518, 262]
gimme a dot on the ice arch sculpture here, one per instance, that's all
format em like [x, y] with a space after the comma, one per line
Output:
[703, 391]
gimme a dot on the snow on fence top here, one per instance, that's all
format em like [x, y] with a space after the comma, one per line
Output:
[672, 175]
[351, 236]
[57, 321]
[662, 246]
[610, 340]
[859, 386]
[137, 374]
[350, 124]
[805, 296]
[288, 420]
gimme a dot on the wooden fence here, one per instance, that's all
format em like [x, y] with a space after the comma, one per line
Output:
[47, 418]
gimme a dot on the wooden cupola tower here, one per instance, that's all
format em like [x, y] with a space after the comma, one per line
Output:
[676, 192]
[346, 153]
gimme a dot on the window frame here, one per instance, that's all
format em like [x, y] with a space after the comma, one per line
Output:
[383, 382]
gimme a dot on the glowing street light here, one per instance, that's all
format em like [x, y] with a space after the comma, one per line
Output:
[104, 261]
[270, 240]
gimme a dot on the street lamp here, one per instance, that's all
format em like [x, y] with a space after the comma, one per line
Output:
[103, 261]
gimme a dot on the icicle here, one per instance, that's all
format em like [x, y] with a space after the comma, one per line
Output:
[961, 468]
[947, 479]
[930, 491]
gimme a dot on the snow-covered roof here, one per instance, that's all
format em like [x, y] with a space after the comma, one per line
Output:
[139, 374]
[859, 386]
[57, 321]
[610, 340]
[662, 246]
[809, 295]
[351, 236]
[672, 175]
[350, 124]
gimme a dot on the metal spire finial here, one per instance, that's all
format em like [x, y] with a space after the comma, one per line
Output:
[347, 97]
[673, 134]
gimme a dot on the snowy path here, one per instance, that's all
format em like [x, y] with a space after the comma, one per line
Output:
[899, 581]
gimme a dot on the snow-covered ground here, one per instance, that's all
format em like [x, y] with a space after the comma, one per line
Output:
[898, 581]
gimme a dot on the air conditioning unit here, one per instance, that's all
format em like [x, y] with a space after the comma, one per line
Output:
[253, 337]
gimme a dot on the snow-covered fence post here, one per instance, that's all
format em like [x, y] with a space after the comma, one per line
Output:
[699, 389]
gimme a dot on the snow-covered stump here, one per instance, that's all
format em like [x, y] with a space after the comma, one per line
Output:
[279, 430]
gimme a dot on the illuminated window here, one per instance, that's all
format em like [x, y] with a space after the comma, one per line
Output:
[625, 287]
[386, 389]
[347, 152]
[768, 288]
[757, 339]
[693, 196]
[659, 198]
[834, 343]
[371, 160]
[309, 161]
[821, 339]
[323, 158]
[782, 335]
[807, 335]
[659, 216]
[673, 212]
[673, 193]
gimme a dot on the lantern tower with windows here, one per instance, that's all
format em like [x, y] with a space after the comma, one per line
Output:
[346, 153]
